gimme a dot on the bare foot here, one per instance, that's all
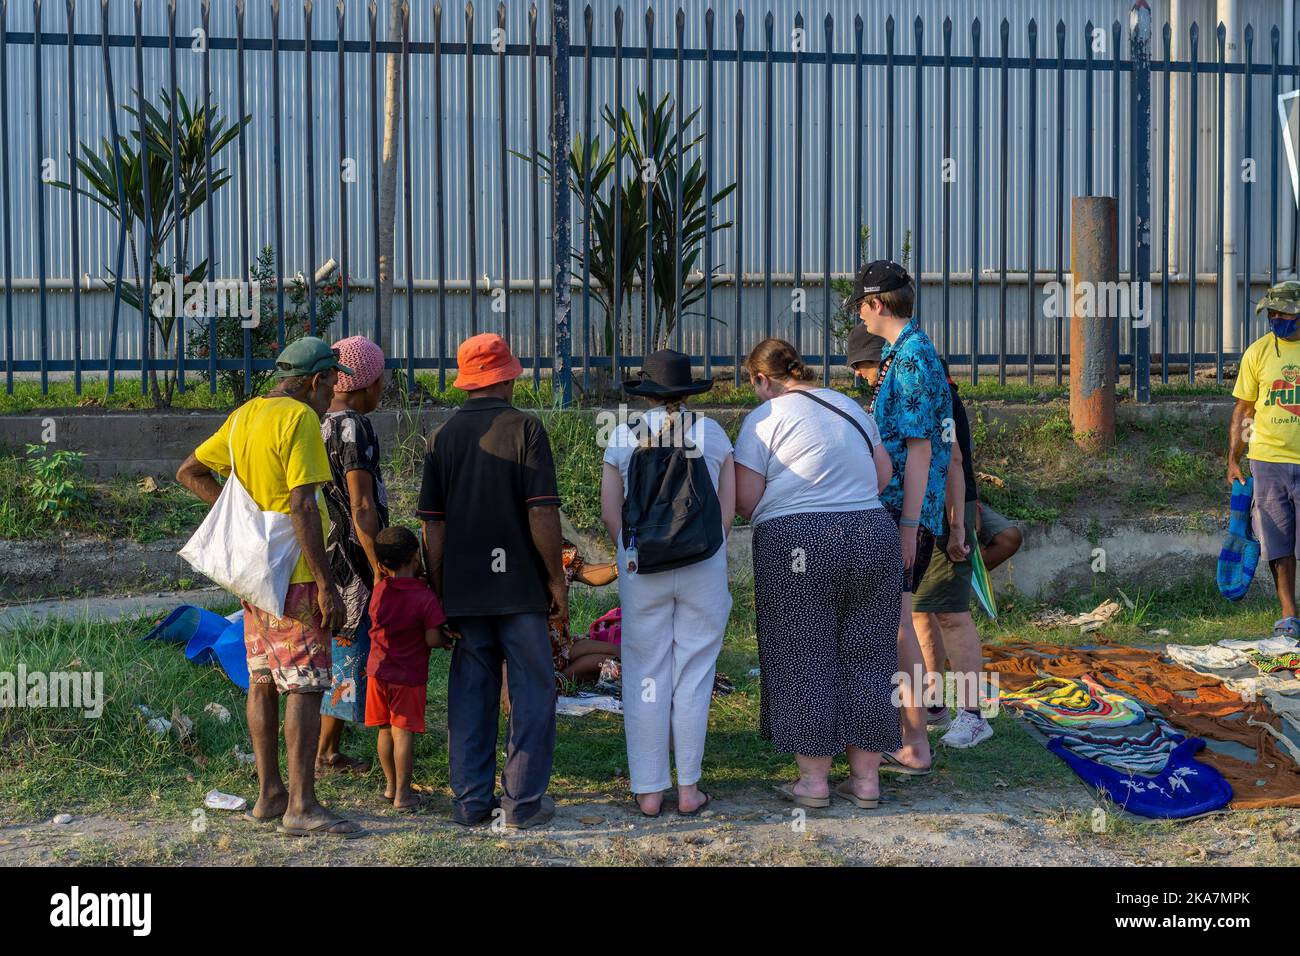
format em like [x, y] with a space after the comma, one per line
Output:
[866, 788]
[918, 758]
[271, 805]
[341, 763]
[650, 803]
[804, 788]
[409, 800]
[689, 802]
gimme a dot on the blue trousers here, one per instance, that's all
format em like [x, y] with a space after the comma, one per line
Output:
[473, 712]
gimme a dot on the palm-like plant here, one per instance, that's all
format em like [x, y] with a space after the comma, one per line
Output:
[649, 148]
[149, 147]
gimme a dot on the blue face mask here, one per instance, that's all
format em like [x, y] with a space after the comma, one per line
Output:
[1284, 328]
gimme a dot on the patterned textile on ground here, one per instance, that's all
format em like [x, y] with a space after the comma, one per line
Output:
[1290, 661]
[1138, 748]
[1060, 702]
[1197, 705]
[1184, 788]
[1233, 667]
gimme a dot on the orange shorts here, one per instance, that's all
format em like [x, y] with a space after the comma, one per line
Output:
[396, 705]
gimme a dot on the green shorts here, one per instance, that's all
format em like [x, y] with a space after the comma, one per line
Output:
[992, 524]
[946, 588]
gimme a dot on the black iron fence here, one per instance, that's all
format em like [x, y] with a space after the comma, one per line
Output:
[635, 283]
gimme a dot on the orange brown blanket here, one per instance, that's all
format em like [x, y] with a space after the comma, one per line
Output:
[1200, 705]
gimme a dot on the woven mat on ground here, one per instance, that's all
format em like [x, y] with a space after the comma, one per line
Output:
[1199, 705]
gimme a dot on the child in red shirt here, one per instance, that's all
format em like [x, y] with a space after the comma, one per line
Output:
[406, 621]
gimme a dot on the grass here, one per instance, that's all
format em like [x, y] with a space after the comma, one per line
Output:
[1039, 474]
[55, 760]
[127, 395]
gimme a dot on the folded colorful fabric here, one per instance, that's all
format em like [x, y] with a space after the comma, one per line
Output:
[1185, 788]
[1063, 702]
[1239, 556]
[1138, 748]
[1271, 665]
[1231, 666]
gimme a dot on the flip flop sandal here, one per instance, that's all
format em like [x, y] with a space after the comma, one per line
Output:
[845, 790]
[786, 791]
[261, 821]
[698, 810]
[1287, 627]
[891, 764]
[324, 828]
[422, 800]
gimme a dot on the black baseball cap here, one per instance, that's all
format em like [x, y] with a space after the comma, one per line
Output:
[876, 277]
[864, 345]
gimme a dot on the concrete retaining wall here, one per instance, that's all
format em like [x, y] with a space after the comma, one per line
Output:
[155, 443]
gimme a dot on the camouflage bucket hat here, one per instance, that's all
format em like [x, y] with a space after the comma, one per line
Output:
[1283, 297]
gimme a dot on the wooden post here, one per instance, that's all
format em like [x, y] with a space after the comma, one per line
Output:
[1094, 332]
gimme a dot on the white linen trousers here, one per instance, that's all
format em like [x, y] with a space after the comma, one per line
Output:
[673, 625]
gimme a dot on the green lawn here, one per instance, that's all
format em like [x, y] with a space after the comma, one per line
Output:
[56, 760]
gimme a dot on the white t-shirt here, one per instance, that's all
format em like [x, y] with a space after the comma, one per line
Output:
[704, 433]
[814, 461]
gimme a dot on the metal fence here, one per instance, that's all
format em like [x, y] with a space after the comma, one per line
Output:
[784, 109]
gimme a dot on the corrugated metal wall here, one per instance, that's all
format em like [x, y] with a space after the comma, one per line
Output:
[98, 234]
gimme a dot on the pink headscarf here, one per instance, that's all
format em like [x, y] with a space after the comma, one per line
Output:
[364, 357]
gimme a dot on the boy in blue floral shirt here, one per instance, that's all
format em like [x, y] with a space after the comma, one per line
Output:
[913, 409]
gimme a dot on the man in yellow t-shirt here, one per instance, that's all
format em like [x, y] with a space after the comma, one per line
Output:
[1267, 416]
[280, 458]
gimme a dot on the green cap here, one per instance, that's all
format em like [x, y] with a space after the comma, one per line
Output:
[308, 356]
[1283, 297]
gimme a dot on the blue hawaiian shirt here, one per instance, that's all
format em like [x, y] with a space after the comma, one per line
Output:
[914, 401]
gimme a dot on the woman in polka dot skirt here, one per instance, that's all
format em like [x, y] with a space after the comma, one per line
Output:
[828, 577]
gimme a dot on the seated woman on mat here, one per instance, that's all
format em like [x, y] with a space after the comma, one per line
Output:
[580, 660]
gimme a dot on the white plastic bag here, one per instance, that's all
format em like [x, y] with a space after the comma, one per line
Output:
[249, 552]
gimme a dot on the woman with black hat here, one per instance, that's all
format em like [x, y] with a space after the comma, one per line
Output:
[673, 619]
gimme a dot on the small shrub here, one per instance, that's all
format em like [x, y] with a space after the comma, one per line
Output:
[54, 482]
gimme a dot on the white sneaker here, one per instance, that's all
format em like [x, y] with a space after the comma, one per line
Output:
[967, 730]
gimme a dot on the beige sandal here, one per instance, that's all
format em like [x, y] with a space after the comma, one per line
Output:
[786, 792]
[845, 790]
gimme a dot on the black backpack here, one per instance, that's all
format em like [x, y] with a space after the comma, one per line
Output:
[671, 515]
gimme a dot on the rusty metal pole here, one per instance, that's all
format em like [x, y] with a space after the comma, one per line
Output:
[1094, 332]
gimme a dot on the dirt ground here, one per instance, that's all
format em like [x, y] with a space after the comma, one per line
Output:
[915, 825]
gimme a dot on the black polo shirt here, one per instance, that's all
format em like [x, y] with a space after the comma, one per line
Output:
[963, 442]
[483, 469]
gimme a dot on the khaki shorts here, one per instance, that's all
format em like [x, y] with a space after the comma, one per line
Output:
[946, 589]
[992, 524]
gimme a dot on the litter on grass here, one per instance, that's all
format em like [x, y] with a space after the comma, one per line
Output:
[1094, 619]
[216, 800]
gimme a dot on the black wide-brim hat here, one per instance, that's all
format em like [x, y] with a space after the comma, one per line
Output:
[666, 374]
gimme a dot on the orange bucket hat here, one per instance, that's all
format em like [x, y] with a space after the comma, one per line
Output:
[485, 360]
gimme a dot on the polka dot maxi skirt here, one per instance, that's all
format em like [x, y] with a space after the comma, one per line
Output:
[827, 590]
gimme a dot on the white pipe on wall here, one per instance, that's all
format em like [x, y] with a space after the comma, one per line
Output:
[1229, 14]
[1178, 25]
[1287, 213]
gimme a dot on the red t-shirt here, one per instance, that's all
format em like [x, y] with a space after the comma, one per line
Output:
[401, 610]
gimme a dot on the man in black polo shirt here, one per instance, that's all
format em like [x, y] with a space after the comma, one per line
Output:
[491, 515]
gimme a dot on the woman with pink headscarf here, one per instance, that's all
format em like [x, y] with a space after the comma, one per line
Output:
[358, 509]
